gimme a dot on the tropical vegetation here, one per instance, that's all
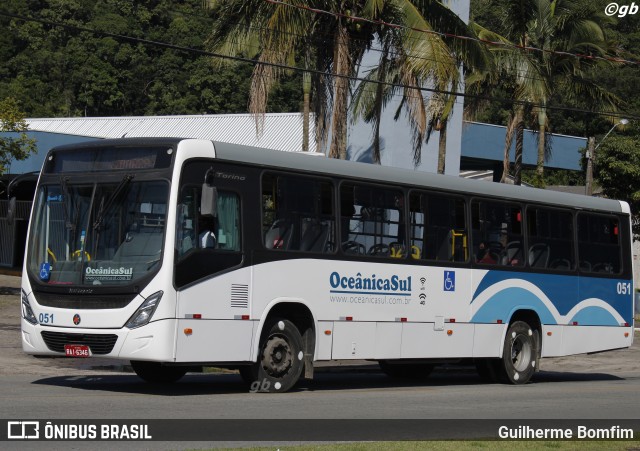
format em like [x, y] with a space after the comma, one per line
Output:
[617, 170]
[331, 43]
[56, 71]
[125, 67]
[554, 32]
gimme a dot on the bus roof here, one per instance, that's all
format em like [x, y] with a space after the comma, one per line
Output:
[376, 173]
[298, 161]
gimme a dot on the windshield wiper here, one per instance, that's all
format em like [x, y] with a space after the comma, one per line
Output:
[104, 206]
[70, 225]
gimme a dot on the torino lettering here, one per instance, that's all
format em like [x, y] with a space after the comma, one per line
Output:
[357, 282]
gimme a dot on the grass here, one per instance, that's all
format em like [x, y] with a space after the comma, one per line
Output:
[457, 445]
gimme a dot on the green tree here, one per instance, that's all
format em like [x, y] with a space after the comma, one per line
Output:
[12, 147]
[56, 71]
[617, 171]
[559, 29]
[280, 35]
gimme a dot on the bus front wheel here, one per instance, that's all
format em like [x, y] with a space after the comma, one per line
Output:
[519, 355]
[156, 373]
[280, 360]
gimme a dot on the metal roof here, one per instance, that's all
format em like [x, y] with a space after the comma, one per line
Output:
[282, 131]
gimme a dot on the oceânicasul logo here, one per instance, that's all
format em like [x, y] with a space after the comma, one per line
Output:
[372, 283]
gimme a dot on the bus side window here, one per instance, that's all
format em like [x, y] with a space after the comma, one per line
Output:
[599, 249]
[550, 234]
[438, 227]
[297, 213]
[373, 221]
[497, 233]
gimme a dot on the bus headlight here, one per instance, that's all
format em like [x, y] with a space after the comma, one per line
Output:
[144, 313]
[27, 311]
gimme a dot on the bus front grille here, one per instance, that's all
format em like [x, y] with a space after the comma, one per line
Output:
[98, 343]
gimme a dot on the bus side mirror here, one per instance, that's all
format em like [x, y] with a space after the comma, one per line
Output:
[209, 200]
[11, 211]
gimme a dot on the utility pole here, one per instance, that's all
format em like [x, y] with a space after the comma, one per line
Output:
[306, 90]
[591, 155]
[591, 148]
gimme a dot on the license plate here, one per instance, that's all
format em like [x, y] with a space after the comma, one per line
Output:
[77, 351]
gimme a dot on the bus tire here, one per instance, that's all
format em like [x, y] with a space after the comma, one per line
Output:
[519, 355]
[156, 373]
[406, 370]
[280, 359]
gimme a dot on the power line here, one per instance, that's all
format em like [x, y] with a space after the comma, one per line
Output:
[450, 35]
[518, 72]
[311, 71]
[317, 37]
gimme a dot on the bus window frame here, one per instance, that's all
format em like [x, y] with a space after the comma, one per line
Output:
[506, 202]
[405, 216]
[467, 223]
[623, 232]
[573, 212]
[299, 175]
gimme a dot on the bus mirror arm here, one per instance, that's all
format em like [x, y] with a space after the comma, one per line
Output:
[11, 211]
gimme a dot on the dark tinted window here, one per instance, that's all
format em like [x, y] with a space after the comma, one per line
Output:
[297, 214]
[206, 244]
[497, 233]
[96, 159]
[550, 239]
[599, 248]
[372, 221]
[438, 227]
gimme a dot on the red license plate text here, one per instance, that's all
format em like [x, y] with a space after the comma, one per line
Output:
[77, 351]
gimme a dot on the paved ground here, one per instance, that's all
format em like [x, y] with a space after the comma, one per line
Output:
[14, 361]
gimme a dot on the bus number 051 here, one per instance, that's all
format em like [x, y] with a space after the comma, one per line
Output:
[45, 318]
[624, 288]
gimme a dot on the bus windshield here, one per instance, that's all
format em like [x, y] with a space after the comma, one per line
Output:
[104, 233]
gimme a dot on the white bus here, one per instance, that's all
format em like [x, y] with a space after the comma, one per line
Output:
[180, 253]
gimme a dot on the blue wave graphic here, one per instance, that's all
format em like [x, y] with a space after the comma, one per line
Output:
[502, 304]
[555, 302]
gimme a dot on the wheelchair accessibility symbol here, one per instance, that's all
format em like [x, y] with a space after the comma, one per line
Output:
[449, 281]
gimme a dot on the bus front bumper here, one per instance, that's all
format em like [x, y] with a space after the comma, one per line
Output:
[154, 341]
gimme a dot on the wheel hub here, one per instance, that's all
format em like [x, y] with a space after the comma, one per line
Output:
[520, 353]
[277, 358]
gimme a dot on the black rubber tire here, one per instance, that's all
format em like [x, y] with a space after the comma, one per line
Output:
[406, 370]
[519, 354]
[156, 373]
[280, 359]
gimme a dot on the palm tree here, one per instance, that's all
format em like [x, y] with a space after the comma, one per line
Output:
[276, 34]
[558, 30]
[406, 64]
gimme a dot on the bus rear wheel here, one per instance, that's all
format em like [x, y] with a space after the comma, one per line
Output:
[280, 360]
[156, 373]
[519, 355]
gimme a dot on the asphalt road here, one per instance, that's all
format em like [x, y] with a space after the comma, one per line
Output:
[601, 386]
[331, 396]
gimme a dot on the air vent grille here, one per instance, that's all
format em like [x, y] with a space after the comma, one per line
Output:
[239, 296]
